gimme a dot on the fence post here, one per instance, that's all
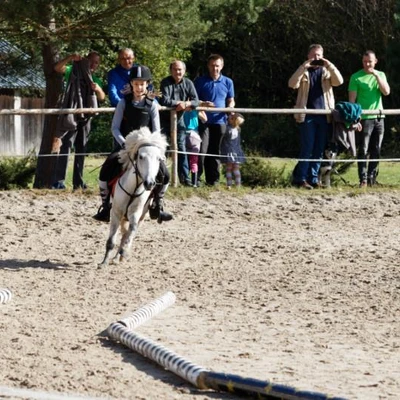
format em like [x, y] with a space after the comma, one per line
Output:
[174, 148]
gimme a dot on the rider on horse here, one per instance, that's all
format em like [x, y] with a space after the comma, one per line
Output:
[136, 110]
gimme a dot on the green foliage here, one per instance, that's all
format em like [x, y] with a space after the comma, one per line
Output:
[158, 31]
[101, 139]
[17, 173]
[258, 172]
[273, 135]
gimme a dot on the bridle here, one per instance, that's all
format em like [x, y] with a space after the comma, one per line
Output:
[135, 194]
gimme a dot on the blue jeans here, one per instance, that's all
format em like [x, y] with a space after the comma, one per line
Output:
[313, 138]
[183, 163]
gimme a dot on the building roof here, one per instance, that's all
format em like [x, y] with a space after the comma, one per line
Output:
[16, 70]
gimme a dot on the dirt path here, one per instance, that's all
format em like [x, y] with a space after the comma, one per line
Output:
[302, 290]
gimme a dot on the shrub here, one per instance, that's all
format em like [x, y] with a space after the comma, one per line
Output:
[258, 172]
[17, 173]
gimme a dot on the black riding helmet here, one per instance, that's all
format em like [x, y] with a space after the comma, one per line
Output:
[140, 72]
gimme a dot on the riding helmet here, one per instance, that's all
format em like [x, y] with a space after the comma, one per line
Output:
[140, 72]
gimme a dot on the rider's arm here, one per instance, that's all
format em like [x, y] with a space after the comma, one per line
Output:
[155, 117]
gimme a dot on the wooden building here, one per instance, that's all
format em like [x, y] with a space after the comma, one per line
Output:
[22, 86]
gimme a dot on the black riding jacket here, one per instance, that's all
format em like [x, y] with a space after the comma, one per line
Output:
[136, 117]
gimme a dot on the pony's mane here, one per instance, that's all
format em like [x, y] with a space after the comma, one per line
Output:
[138, 138]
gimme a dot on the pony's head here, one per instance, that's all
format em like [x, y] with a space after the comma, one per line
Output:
[145, 150]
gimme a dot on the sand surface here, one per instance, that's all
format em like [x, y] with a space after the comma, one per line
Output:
[299, 289]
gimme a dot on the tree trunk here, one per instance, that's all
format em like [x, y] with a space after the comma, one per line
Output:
[46, 165]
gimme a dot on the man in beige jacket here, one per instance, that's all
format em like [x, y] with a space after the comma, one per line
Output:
[314, 80]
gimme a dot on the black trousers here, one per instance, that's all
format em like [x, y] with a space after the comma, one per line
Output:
[78, 139]
[211, 136]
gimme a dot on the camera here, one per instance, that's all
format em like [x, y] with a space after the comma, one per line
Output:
[317, 62]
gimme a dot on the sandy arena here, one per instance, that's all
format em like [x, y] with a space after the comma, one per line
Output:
[297, 288]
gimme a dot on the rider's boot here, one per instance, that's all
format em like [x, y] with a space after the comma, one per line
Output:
[156, 210]
[103, 213]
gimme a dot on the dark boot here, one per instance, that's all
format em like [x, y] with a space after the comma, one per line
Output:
[162, 215]
[103, 213]
[156, 209]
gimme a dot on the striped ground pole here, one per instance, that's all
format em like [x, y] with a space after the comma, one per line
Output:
[144, 314]
[159, 354]
[198, 376]
[257, 388]
[5, 295]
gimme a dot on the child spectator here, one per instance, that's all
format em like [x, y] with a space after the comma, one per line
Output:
[193, 140]
[231, 152]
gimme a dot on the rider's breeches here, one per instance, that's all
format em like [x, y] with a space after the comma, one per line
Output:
[111, 167]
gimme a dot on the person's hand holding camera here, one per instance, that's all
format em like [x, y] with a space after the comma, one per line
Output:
[315, 63]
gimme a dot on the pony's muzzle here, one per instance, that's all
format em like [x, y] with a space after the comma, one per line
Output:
[148, 185]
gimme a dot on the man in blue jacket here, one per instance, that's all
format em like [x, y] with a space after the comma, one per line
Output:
[118, 77]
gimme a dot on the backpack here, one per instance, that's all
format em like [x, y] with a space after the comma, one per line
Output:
[349, 112]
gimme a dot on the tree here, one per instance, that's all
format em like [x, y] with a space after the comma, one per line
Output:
[161, 30]
[264, 42]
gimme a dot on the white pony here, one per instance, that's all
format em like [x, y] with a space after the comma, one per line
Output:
[130, 201]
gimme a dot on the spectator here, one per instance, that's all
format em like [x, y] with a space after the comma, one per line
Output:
[118, 77]
[218, 91]
[231, 151]
[135, 110]
[366, 88]
[314, 80]
[178, 92]
[193, 141]
[83, 90]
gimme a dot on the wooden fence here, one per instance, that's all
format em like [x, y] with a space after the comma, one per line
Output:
[37, 114]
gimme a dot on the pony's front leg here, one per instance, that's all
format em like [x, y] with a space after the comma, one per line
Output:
[127, 238]
[111, 241]
[124, 225]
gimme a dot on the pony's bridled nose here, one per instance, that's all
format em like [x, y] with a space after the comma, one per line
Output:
[148, 184]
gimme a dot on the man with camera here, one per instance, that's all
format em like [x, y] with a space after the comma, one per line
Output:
[314, 80]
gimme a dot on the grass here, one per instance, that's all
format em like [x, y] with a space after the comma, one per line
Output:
[389, 178]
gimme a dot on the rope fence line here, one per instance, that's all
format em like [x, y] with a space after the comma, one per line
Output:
[341, 160]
